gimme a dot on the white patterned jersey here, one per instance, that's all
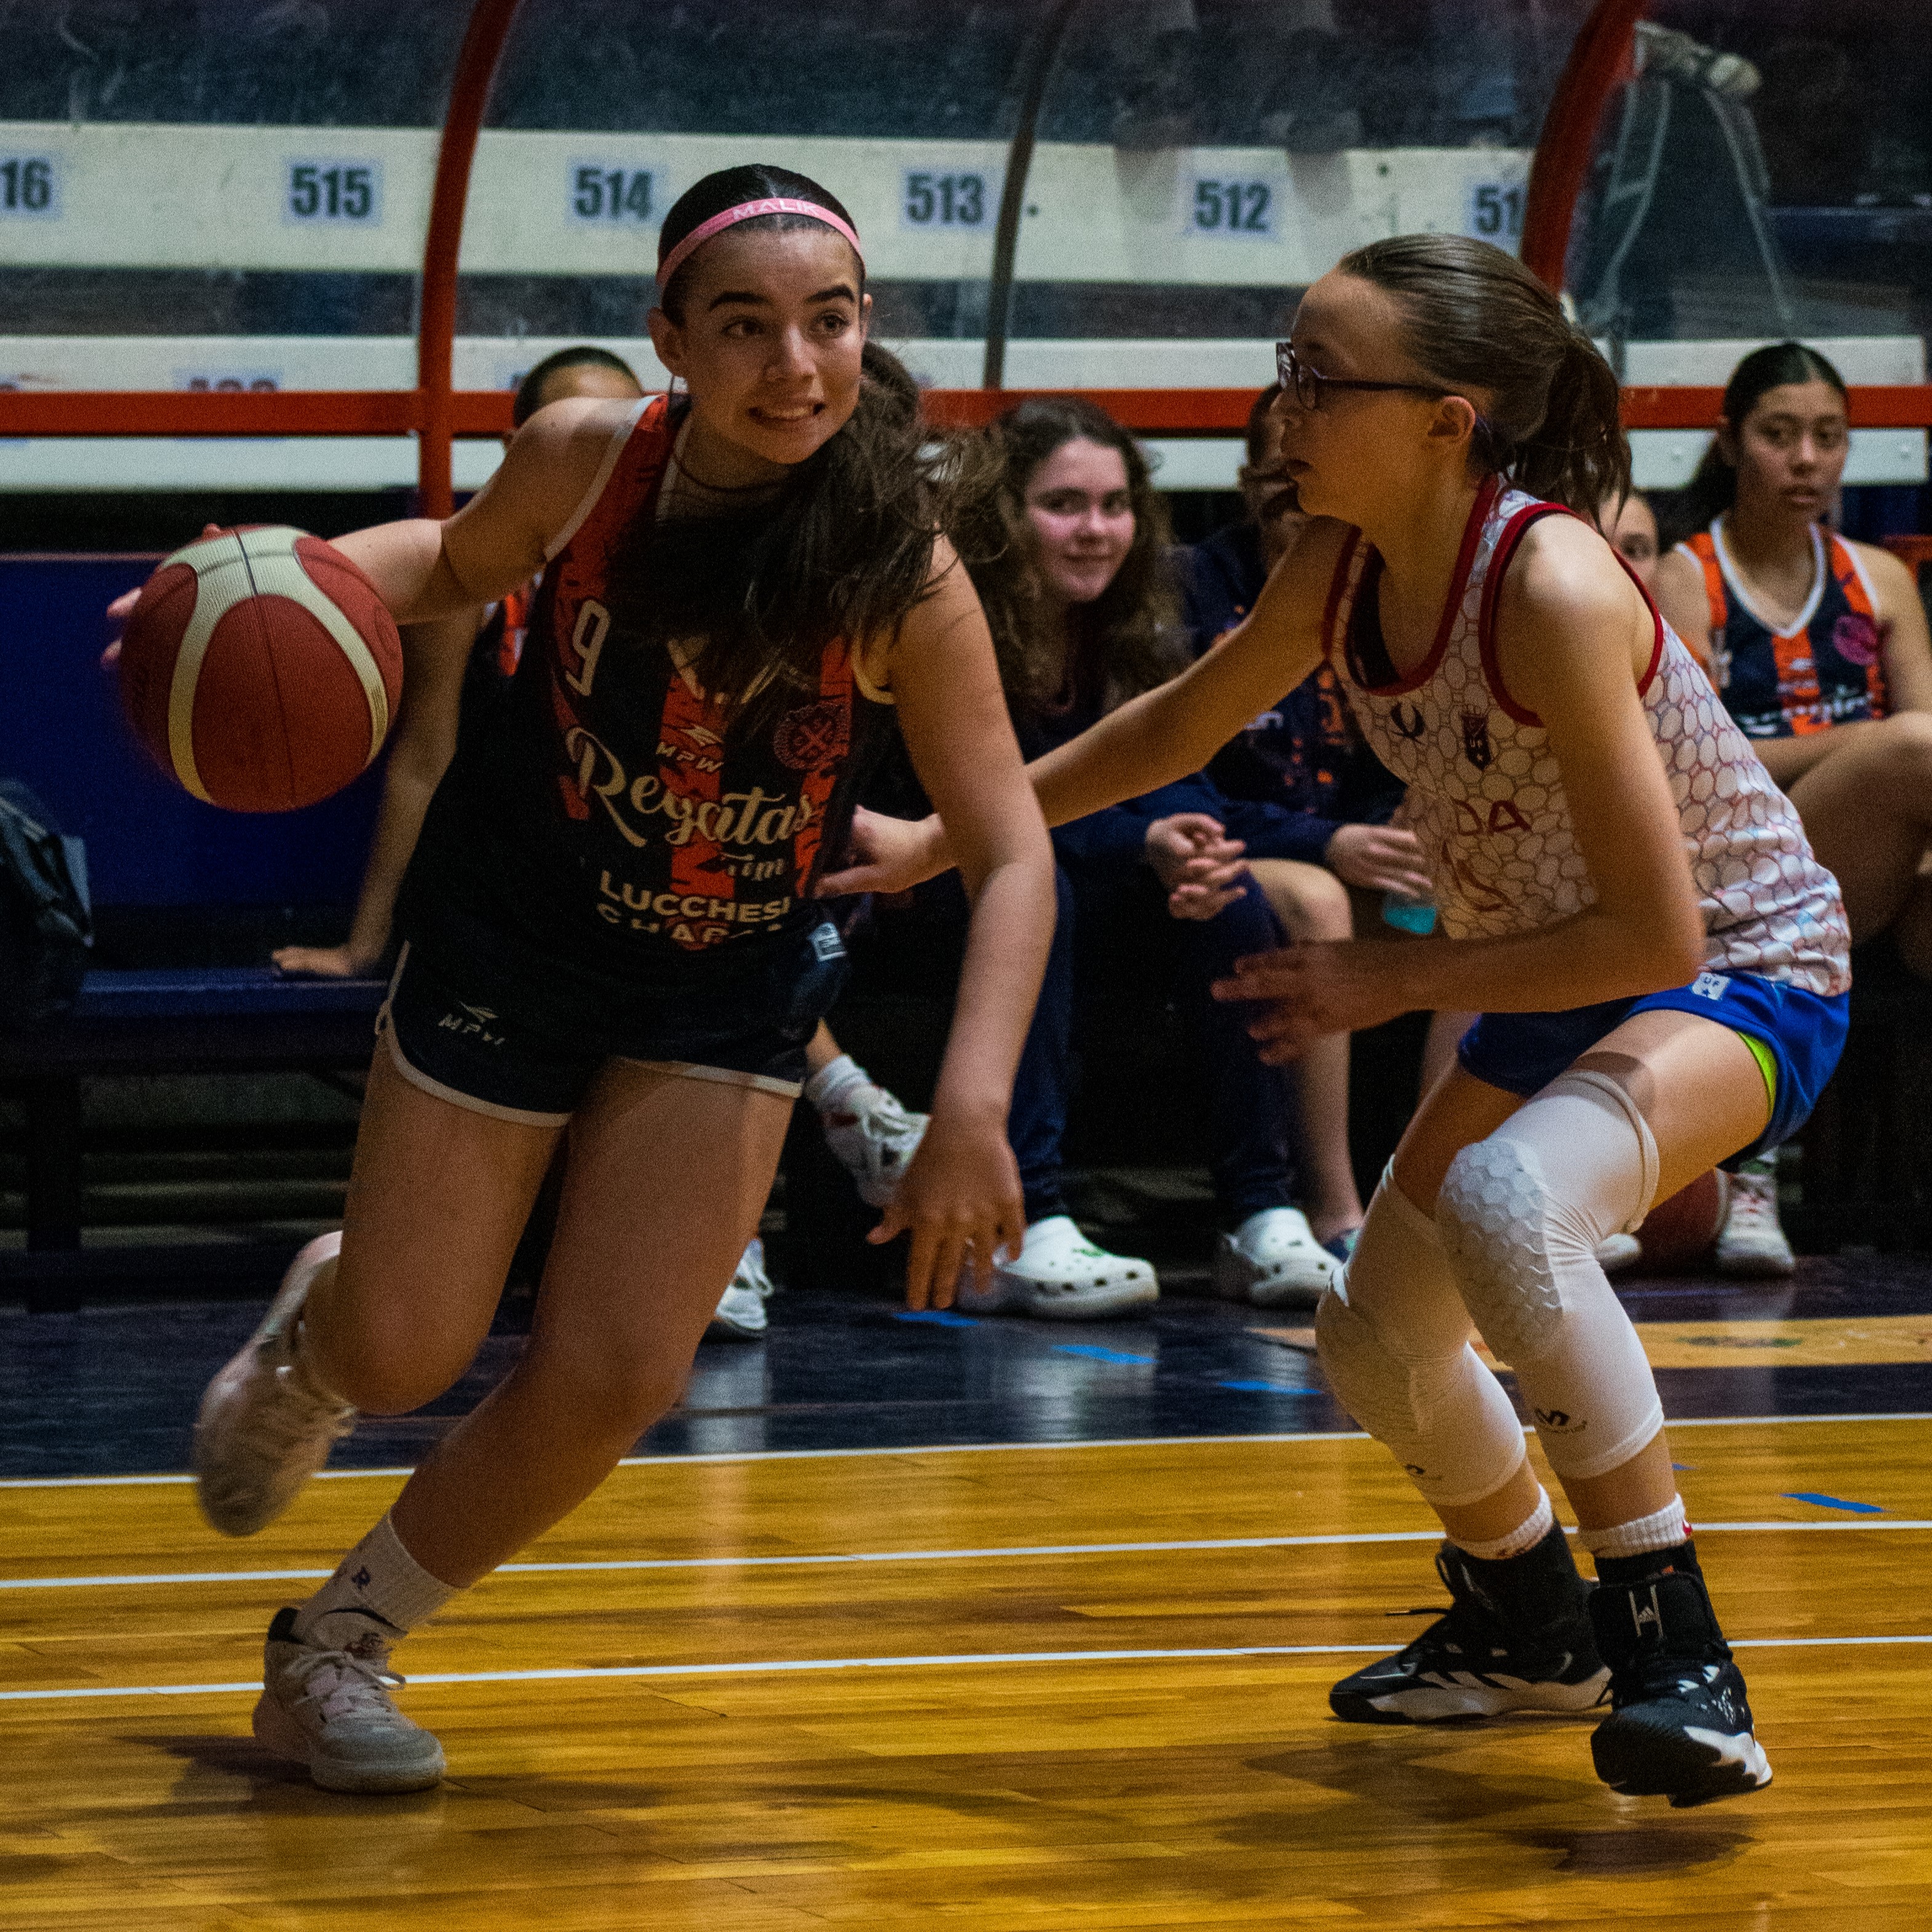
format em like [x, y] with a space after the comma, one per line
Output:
[1485, 797]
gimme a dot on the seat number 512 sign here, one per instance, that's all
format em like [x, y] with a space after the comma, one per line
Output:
[1233, 208]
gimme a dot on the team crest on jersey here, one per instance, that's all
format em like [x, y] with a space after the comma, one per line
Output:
[1855, 638]
[1476, 746]
[812, 737]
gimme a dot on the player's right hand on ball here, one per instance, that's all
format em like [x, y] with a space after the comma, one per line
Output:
[122, 608]
[962, 1201]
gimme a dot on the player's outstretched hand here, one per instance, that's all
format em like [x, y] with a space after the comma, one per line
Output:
[888, 855]
[122, 608]
[961, 1198]
[1304, 991]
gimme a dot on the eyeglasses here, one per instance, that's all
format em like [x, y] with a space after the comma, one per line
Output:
[1308, 385]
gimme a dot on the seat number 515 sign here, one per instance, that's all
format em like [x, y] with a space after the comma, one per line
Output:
[333, 191]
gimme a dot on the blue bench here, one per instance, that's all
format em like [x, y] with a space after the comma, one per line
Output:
[160, 1021]
[171, 878]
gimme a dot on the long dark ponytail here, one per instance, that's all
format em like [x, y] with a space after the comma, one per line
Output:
[1713, 487]
[1476, 322]
[841, 550]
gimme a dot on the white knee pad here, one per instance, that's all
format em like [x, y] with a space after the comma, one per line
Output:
[1394, 1338]
[1523, 1214]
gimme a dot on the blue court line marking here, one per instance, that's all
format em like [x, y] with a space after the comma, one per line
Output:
[1094, 1353]
[936, 1318]
[1832, 1502]
[993, 1552]
[1265, 1388]
[787, 1666]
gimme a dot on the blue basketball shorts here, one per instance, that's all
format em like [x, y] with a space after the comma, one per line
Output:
[1796, 1035]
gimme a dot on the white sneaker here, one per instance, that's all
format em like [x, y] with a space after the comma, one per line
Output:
[1273, 1260]
[1750, 1242]
[1061, 1276]
[264, 1426]
[741, 1314]
[1615, 1252]
[330, 1710]
[873, 1138]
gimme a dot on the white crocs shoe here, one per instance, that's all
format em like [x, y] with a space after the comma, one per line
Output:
[1751, 1243]
[873, 1138]
[1273, 1260]
[330, 1710]
[1061, 1276]
[741, 1314]
[264, 1426]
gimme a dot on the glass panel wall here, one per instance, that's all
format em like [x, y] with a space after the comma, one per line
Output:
[1766, 172]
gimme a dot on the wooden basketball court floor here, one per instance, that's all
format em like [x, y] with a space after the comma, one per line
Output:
[1073, 1684]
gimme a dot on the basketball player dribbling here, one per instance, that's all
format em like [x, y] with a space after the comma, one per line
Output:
[1629, 903]
[611, 933]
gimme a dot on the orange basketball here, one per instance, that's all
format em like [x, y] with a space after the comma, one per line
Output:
[1678, 1234]
[261, 669]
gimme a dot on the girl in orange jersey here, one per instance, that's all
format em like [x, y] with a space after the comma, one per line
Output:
[612, 931]
[1818, 647]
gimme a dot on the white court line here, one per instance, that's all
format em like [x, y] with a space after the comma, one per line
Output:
[957, 1449]
[993, 1552]
[788, 1665]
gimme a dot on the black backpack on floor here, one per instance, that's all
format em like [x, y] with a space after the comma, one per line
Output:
[46, 925]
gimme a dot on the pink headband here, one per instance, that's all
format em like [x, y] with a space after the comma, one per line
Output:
[749, 211]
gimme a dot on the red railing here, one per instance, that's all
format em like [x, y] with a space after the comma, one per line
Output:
[435, 413]
[486, 412]
[1599, 57]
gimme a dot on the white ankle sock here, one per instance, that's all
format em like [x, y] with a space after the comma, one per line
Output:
[1526, 1535]
[829, 1085]
[379, 1578]
[1663, 1529]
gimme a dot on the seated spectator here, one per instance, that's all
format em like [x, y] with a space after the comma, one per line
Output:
[872, 1135]
[1631, 524]
[1069, 550]
[1309, 805]
[1819, 648]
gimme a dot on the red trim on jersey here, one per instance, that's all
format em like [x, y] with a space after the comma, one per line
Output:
[1513, 534]
[1331, 617]
[1472, 534]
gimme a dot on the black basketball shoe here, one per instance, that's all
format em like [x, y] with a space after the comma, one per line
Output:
[1679, 1727]
[1517, 1637]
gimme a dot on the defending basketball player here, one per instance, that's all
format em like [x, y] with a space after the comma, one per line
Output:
[611, 932]
[1659, 962]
